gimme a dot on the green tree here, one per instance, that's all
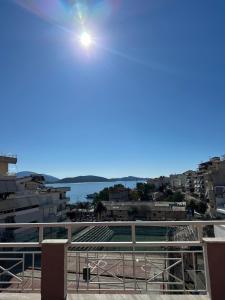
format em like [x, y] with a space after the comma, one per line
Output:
[175, 197]
[99, 209]
[145, 190]
[133, 195]
[201, 207]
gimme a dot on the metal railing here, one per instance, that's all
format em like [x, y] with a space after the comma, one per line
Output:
[166, 271]
[20, 271]
[163, 266]
[71, 226]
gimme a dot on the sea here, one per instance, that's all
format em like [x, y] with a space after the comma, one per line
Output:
[79, 191]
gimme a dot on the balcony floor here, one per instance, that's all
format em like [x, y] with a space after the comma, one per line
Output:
[24, 296]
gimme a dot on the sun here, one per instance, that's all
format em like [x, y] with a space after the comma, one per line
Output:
[85, 39]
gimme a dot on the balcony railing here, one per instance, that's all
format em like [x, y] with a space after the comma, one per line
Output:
[165, 271]
[168, 266]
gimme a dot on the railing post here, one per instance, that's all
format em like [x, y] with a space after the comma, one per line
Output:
[199, 232]
[133, 237]
[41, 233]
[69, 233]
[54, 269]
[133, 234]
[214, 249]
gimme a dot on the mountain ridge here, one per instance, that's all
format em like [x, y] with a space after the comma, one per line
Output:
[93, 178]
[81, 179]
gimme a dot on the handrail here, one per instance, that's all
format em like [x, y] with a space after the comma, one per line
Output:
[198, 225]
[116, 223]
[20, 245]
[106, 244]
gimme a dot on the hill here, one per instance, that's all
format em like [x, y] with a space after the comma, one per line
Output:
[128, 178]
[92, 178]
[80, 179]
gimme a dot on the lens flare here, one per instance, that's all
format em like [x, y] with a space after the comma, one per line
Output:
[86, 39]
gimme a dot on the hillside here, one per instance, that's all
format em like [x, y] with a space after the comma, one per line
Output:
[128, 178]
[92, 178]
[80, 179]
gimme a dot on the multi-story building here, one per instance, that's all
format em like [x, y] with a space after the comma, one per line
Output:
[200, 182]
[189, 181]
[215, 189]
[28, 200]
[184, 181]
[159, 181]
[177, 181]
[144, 210]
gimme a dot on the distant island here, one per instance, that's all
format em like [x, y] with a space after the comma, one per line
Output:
[80, 179]
[92, 178]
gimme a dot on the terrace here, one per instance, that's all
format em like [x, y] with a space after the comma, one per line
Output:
[51, 268]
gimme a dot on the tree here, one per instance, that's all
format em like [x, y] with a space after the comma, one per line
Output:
[99, 209]
[198, 206]
[175, 197]
[191, 207]
[104, 194]
[201, 207]
[145, 190]
[133, 195]
[178, 197]
[132, 212]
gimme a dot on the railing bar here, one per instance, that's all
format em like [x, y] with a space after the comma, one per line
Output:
[11, 259]
[32, 271]
[14, 282]
[99, 284]
[167, 282]
[87, 265]
[19, 245]
[117, 223]
[140, 252]
[206, 270]
[137, 244]
[183, 274]
[134, 269]
[146, 279]
[23, 266]
[106, 282]
[69, 233]
[77, 270]
[124, 284]
[194, 269]
[151, 290]
[41, 233]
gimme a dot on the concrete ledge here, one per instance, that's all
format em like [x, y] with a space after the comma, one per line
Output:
[55, 241]
[31, 296]
[214, 240]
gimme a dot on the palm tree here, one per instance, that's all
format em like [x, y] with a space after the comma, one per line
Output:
[99, 209]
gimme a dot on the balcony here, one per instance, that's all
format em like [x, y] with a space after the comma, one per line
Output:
[169, 270]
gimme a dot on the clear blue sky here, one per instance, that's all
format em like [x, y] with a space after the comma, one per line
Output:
[147, 99]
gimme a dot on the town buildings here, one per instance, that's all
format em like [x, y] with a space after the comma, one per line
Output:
[28, 200]
[159, 182]
[183, 182]
[206, 184]
[119, 195]
[144, 210]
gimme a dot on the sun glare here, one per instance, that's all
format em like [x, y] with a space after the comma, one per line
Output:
[86, 40]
